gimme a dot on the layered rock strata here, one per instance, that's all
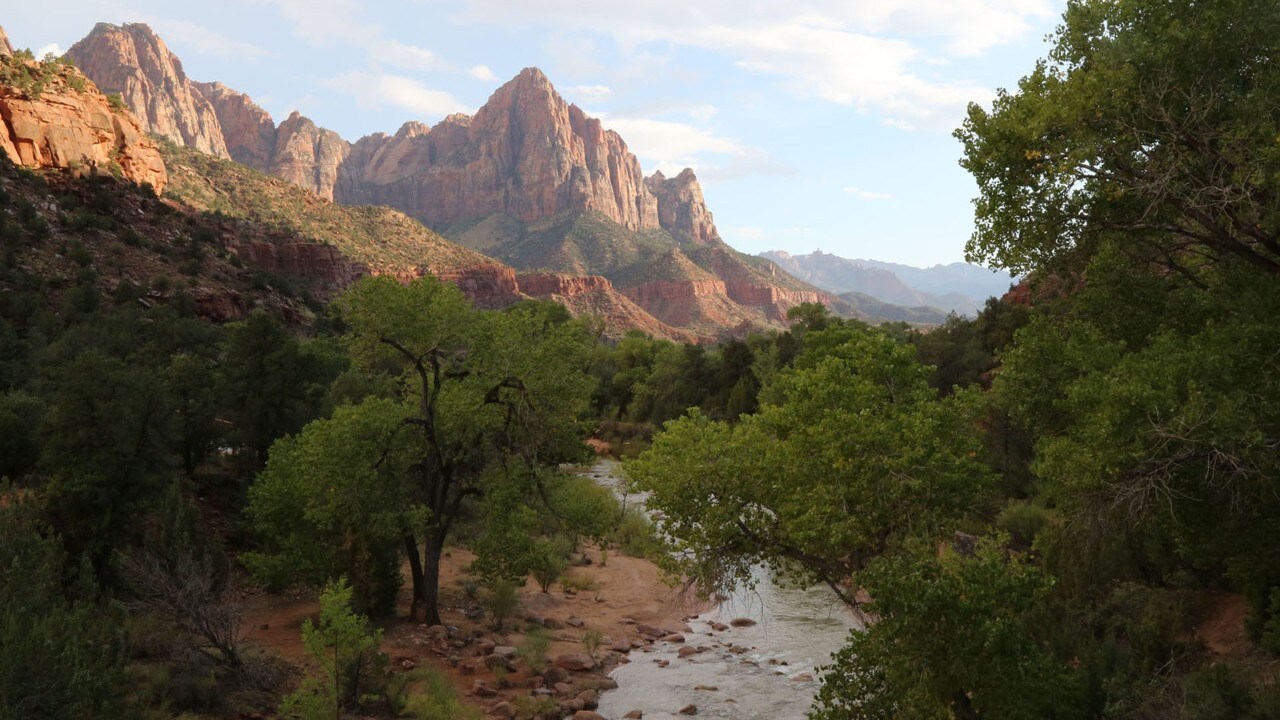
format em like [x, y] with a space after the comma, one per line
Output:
[72, 126]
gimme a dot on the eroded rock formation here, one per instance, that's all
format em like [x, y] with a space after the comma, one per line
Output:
[247, 130]
[133, 61]
[681, 207]
[71, 126]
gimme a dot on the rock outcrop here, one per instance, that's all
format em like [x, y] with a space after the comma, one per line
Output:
[132, 61]
[5, 47]
[527, 154]
[308, 156]
[682, 211]
[70, 125]
[595, 295]
[248, 131]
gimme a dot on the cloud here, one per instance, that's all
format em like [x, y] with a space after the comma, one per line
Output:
[752, 162]
[670, 146]
[867, 194]
[327, 23]
[191, 36]
[50, 49]
[866, 53]
[746, 233]
[404, 56]
[375, 90]
[482, 72]
[588, 93]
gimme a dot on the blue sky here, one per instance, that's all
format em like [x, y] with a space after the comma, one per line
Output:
[812, 124]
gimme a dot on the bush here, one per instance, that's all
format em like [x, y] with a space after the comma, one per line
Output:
[502, 602]
[1023, 521]
[533, 649]
[634, 534]
[439, 701]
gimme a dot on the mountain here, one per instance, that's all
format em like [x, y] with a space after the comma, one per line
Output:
[51, 117]
[957, 287]
[529, 180]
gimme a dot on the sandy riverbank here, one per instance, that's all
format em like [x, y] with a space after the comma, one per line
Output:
[624, 597]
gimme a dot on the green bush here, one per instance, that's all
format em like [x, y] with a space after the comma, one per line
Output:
[1023, 521]
[502, 602]
[533, 649]
[439, 701]
[634, 534]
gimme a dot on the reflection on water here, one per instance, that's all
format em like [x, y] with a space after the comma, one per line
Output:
[764, 671]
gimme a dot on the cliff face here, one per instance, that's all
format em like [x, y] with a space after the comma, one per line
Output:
[133, 61]
[596, 296]
[5, 47]
[526, 154]
[247, 130]
[308, 156]
[70, 125]
[681, 207]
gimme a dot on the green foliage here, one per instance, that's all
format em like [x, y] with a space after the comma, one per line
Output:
[955, 636]
[533, 649]
[344, 648]
[439, 700]
[63, 653]
[502, 602]
[591, 640]
[1150, 122]
[853, 455]
[332, 501]
[116, 102]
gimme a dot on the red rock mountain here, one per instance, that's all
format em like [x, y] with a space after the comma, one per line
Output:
[63, 121]
[132, 61]
[529, 179]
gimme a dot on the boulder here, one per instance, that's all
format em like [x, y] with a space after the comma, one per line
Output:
[575, 662]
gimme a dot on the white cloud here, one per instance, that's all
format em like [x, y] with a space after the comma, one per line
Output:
[864, 53]
[50, 49]
[670, 146]
[587, 93]
[867, 194]
[482, 72]
[326, 23]
[192, 36]
[404, 56]
[746, 233]
[376, 90]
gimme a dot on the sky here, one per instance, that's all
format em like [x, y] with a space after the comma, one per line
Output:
[811, 124]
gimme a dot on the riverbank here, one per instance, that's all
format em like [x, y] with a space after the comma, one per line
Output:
[623, 599]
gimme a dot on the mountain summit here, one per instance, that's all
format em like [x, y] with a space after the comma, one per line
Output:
[530, 180]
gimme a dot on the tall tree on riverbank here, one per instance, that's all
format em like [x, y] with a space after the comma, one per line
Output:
[485, 397]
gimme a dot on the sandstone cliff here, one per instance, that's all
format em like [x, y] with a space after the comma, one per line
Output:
[247, 130]
[68, 124]
[5, 47]
[526, 154]
[681, 208]
[132, 61]
[308, 156]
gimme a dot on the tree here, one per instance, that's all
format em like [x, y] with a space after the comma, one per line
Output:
[335, 500]
[487, 396]
[1152, 123]
[344, 648]
[954, 636]
[63, 655]
[852, 454]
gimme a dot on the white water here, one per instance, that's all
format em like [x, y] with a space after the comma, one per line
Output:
[796, 631]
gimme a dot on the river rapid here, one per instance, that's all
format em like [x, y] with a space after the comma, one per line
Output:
[763, 671]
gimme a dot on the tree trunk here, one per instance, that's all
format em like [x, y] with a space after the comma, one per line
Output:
[415, 571]
[431, 577]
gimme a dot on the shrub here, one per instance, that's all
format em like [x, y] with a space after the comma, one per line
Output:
[439, 701]
[533, 649]
[502, 602]
[1023, 521]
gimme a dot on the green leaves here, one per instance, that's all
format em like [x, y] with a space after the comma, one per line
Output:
[854, 454]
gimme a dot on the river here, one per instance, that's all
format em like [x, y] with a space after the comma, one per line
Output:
[795, 631]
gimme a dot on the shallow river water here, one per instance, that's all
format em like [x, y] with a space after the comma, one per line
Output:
[775, 679]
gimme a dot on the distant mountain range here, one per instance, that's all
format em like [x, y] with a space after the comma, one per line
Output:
[958, 287]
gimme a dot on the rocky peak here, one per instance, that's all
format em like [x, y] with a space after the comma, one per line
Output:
[682, 210]
[5, 47]
[133, 61]
[247, 130]
[308, 155]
